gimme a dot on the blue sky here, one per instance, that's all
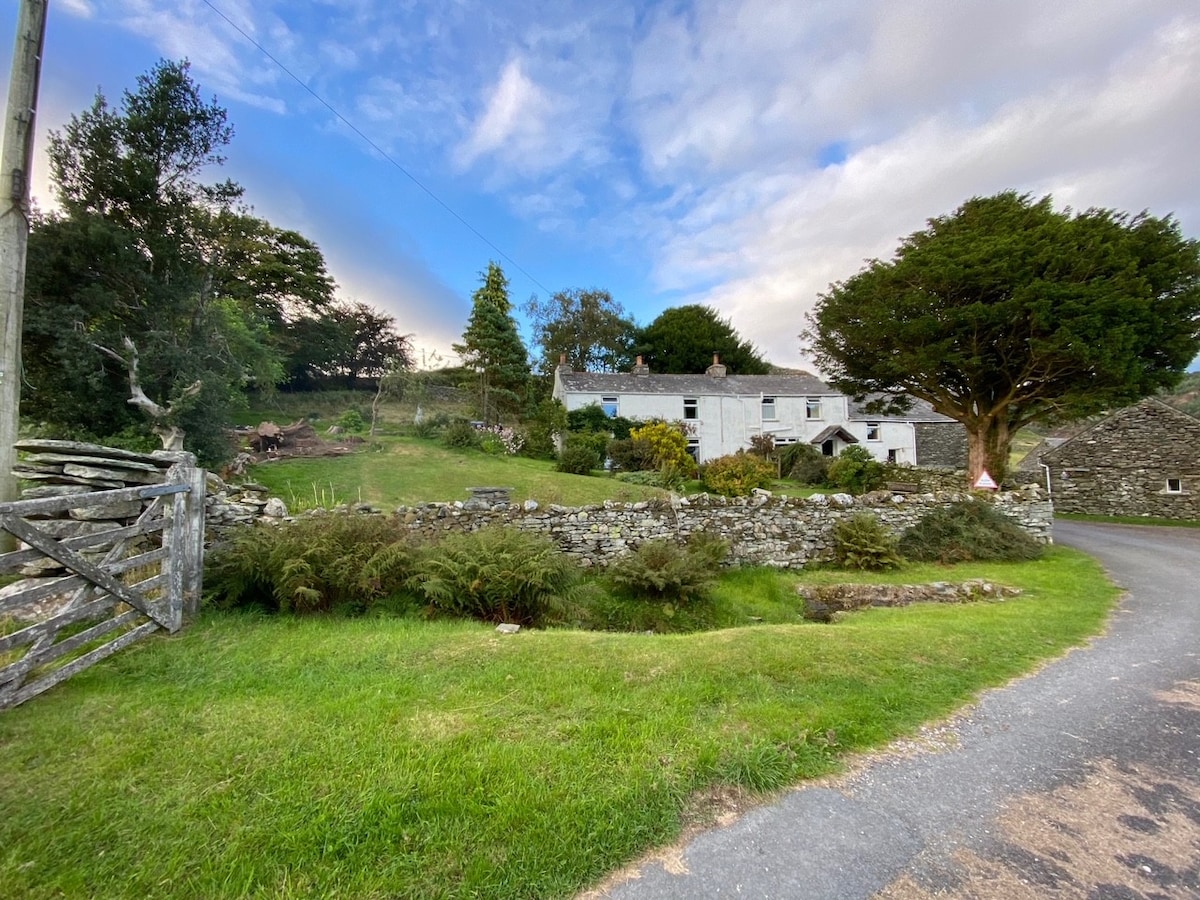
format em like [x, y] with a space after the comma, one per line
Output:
[739, 154]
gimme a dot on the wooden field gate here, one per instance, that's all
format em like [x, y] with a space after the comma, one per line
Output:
[107, 589]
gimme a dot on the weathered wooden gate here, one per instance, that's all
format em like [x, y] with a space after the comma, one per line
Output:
[109, 588]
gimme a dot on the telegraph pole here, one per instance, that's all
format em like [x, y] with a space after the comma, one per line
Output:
[16, 161]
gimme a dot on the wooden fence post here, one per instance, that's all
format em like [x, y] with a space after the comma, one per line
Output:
[186, 538]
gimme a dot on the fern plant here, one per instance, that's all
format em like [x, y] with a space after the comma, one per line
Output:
[498, 574]
[862, 542]
[662, 570]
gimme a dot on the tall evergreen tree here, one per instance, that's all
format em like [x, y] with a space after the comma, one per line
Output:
[492, 346]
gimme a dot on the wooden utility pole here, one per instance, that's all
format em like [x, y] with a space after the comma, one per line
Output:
[16, 162]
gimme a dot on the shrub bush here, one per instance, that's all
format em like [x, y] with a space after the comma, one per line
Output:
[668, 445]
[738, 474]
[970, 530]
[582, 454]
[343, 562]
[628, 455]
[549, 418]
[804, 463]
[862, 542]
[351, 420]
[856, 471]
[593, 418]
[662, 570]
[498, 575]
[462, 435]
[762, 445]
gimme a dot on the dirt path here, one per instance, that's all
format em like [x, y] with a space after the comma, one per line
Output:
[1082, 780]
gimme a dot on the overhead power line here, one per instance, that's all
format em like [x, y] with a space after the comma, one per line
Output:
[374, 146]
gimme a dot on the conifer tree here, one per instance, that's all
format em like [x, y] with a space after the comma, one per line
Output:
[492, 346]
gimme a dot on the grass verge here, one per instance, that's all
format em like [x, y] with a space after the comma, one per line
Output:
[258, 757]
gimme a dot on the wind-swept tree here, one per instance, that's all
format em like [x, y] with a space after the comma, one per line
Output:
[124, 285]
[492, 347]
[1008, 312]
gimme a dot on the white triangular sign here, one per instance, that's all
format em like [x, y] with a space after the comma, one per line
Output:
[986, 481]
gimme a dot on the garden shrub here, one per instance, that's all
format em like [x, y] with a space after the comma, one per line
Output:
[668, 445]
[628, 455]
[965, 531]
[582, 454]
[862, 542]
[499, 440]
[593, 418]
[804, 463]
[738, 474]
[662, 570]
[549, 419]
[351, 420]
[762, 445]
[462, 435]
[497, 574]
[341, 562]
[856, 471]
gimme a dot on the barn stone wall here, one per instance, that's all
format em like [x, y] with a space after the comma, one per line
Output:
[1141, 461]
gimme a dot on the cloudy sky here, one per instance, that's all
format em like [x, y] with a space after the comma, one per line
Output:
[739, 154]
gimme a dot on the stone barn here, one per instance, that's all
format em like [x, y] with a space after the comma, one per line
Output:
[1143, 460]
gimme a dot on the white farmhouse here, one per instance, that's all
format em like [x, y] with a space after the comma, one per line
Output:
[726, 411]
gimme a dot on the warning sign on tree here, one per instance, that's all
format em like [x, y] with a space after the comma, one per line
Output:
[986, 481]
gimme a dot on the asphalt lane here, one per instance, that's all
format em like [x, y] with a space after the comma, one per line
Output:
[1082, 780]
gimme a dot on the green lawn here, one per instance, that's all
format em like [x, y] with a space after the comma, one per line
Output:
[407, 470]
[257, 757]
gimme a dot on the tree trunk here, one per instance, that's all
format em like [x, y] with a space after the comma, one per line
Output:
[988, 443]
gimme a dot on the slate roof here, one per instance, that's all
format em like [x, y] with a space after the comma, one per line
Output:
[834, 431]
[728, 386]
[921, 411]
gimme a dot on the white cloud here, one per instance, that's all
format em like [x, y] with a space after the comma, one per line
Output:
[81, 9]
[1108, 137]
[513, 123]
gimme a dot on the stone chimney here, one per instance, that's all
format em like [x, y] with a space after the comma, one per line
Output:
[716, 370]
[640, 368]
[562, 365]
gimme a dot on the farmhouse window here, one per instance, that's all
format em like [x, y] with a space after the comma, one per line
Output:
[693, 448]
[873, 431]
[691, 408]
[1174, 485]
[768, 409]
[611, 406]
[812, 408]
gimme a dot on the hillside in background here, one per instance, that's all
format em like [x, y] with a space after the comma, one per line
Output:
[1186, 395]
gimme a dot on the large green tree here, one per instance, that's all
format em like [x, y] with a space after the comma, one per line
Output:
[683, 339]
[125, 285]
[1008, 312]
[492, 347]
[588, 327]
[346, 341]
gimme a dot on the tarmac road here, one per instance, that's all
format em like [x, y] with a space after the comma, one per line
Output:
[1082, 780]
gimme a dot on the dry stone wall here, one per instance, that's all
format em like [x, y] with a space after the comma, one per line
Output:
[762, 529]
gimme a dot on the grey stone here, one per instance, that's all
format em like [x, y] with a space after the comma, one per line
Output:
[507, 628]
[125, 509]
[275, 508]
[127, 476]
[529, 505]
